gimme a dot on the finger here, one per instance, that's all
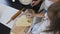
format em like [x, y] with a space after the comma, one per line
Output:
[35, 4]
[32, 4]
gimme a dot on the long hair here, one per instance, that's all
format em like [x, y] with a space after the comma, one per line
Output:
[54, 17]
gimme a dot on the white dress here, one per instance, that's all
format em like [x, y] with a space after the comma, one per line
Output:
[38, 28]
[47, 4]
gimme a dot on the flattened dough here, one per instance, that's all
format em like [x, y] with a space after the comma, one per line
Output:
[22, 21]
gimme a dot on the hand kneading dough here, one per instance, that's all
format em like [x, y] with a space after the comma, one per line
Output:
[22, 21]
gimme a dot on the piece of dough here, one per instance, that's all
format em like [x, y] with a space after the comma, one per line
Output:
[22, 21]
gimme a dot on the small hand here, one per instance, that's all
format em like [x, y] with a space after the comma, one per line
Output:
[29, 15]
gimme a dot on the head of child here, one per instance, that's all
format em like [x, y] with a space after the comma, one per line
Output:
[53, 13]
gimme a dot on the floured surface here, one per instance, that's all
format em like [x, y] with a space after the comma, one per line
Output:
[7, 13]
[21, 26]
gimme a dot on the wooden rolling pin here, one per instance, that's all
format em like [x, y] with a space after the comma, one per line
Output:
[14, 16]
[18, 13]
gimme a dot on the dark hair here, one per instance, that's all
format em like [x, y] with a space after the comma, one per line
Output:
[54, 16]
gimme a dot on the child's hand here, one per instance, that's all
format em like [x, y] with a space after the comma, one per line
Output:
[29, 15]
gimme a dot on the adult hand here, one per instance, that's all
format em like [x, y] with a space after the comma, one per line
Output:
[34, 3]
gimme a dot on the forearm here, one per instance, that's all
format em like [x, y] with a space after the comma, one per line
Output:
[39, 15]
[36, 14]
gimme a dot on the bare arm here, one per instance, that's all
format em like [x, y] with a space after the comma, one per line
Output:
[39, 15]
[36, 15]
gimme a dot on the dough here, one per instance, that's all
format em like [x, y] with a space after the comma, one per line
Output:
[22, 21]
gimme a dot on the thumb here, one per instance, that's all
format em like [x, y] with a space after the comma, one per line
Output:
[32, 4]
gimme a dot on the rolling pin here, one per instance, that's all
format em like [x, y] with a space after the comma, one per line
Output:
[14, 16]
[17, 14]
